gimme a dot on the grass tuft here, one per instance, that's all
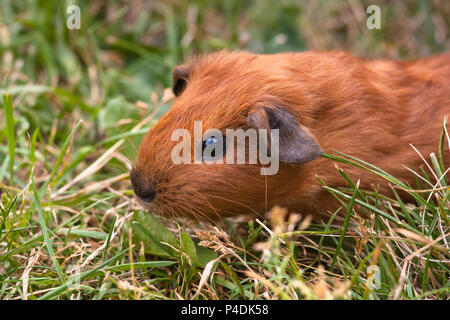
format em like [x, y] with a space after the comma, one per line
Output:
[69, 226]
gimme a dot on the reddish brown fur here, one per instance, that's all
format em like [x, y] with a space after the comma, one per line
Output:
[371, 110]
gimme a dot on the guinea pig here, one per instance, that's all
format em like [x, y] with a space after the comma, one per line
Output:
[316, 102]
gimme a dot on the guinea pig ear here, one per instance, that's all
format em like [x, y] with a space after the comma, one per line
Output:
[296, 144]
[180, 76]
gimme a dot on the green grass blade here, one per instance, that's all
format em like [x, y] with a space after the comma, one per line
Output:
[345, 225]
[9, 118]
[45, 231]
[60, 158]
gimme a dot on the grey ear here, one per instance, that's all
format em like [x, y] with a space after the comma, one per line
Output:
[296, 144]
[180, 76]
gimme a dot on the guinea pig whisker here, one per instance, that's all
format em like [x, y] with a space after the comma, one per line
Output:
[190, 209]
[237, 202]
[172, 212]
[209, 204]
[202, 216]
[169, 209]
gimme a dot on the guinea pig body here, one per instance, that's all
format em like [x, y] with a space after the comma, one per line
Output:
[371, 110]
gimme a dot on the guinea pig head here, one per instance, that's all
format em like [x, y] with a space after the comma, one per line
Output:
[215, 94]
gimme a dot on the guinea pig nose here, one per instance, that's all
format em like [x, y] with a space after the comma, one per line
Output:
[142, 189]
[147, 195]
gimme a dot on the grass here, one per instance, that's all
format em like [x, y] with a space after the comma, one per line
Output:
[77, 103]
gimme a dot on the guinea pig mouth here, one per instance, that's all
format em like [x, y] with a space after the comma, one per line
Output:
[150, 206]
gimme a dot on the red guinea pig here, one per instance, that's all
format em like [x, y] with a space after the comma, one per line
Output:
[313, 102]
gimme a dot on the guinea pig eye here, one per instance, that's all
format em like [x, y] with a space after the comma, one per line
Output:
[211, 142]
